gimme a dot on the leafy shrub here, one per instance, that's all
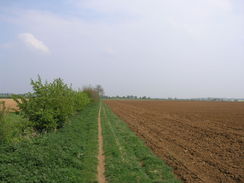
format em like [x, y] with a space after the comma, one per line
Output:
[92, 93]
[81, 100]
[50, 104]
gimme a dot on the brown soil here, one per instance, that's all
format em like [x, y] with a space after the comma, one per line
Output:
[101, 157]
[202, 141]
[10, 104]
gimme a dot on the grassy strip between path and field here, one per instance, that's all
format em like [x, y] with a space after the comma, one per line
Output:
[127, 159]
[68, 155]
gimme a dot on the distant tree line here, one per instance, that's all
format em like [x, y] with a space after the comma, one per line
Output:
[131, 97]
[134, 97]
[7, 95]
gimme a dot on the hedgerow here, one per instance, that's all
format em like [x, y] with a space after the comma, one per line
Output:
[94, 93]
[50, 104]
[81, 100]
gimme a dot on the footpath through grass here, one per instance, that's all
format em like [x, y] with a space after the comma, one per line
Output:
[127, 159]
[68, 155]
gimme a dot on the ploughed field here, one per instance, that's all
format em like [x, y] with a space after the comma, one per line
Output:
[202, 141]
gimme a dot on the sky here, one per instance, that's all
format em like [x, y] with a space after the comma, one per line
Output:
[156, 48]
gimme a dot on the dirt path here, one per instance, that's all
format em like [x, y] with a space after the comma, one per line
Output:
[101, 157]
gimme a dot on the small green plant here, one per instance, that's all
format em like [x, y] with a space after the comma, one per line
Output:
[13, 127]
[3, 111]
[2, 121]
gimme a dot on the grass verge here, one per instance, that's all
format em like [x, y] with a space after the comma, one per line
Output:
[127, 159]
[14, 128]
[69, 155]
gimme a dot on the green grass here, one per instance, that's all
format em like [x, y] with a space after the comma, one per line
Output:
[68, 155]
[127, 158]
[14, 128]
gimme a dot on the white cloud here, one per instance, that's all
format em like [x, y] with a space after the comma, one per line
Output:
[30, 40]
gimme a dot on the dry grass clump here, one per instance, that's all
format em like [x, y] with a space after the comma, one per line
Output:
[10, 104]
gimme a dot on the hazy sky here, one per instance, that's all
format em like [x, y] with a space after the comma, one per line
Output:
[157, 48]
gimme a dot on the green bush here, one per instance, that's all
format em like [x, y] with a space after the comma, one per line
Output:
[50, 104]
[81, 100]
[92, 93]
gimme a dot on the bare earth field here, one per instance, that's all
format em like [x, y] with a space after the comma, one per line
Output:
[10, 104]
[202, 141]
